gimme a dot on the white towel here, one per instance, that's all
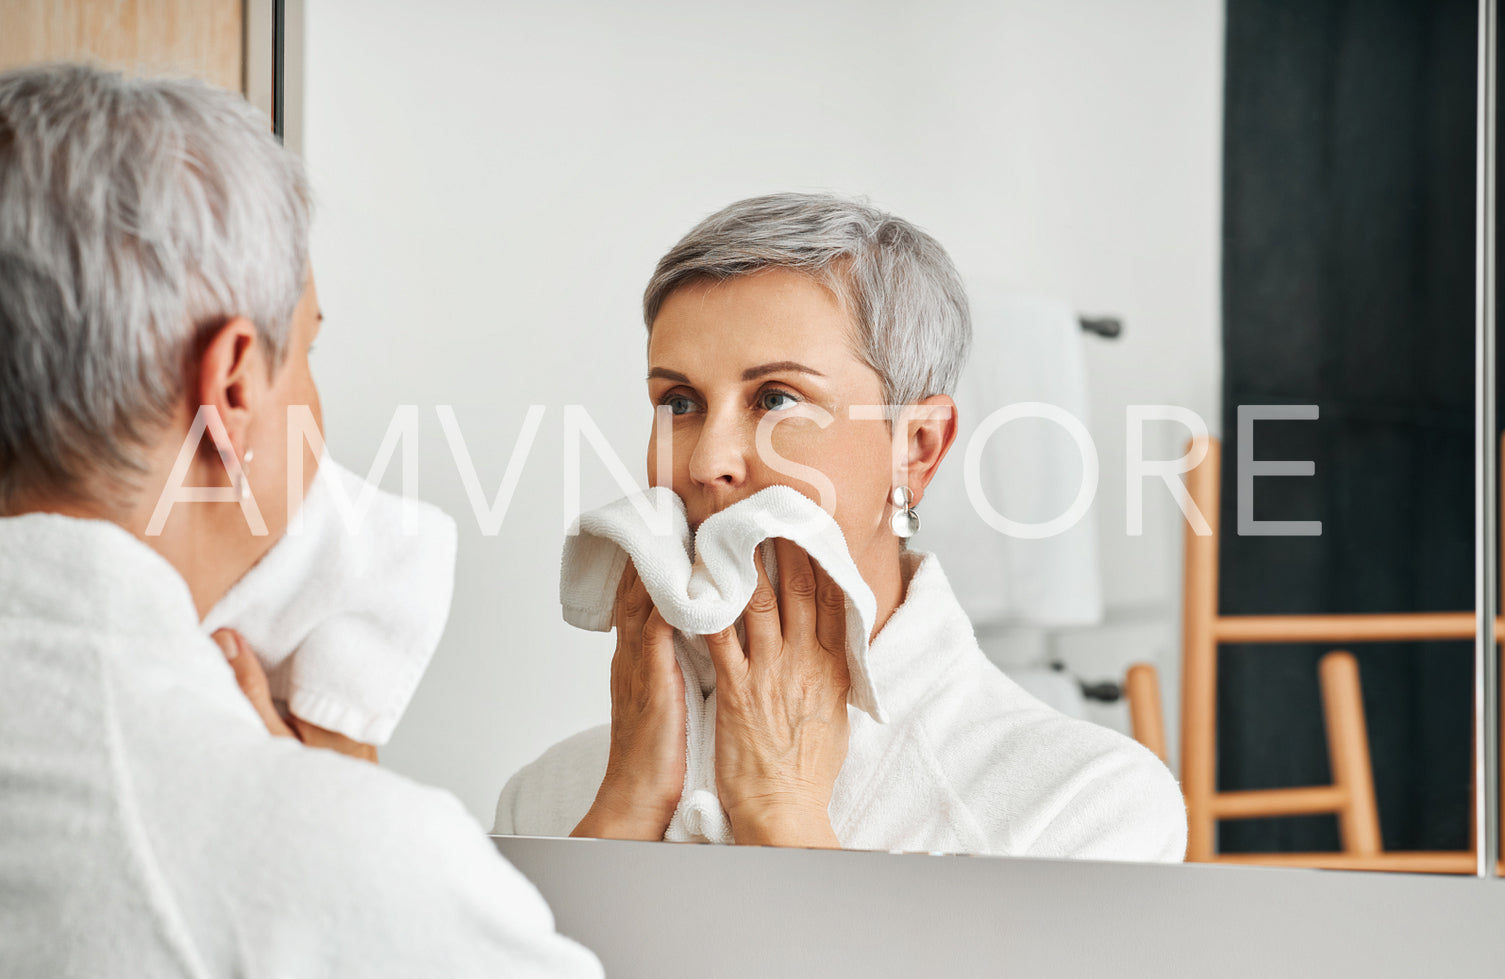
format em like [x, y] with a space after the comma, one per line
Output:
[1025, 349]
[701, 585]
[346, 622]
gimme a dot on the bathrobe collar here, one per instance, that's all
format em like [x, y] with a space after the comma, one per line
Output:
[92, 574]
[924, 642]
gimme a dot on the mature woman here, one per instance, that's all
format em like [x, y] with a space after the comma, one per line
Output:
[154, 272]
[817, 309]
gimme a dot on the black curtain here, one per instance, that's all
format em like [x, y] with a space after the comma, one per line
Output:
[1348, 282]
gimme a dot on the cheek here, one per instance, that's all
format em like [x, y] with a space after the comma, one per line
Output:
[310, 398]
[301, 389]
[864, 495]
[678, 445]
[846, 454]
[296, 392]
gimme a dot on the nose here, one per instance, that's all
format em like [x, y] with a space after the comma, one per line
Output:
[719, 460]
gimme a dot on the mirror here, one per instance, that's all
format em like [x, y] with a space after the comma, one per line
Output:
[1253, 206]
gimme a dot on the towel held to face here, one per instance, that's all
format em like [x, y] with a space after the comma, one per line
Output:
[345, 619]
[701, 584]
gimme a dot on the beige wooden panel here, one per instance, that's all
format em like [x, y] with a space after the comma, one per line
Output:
[194, 37]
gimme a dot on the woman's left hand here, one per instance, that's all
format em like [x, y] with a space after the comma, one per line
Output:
[781, 714]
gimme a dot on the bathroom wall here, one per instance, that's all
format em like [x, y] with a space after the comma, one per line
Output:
[496, 181]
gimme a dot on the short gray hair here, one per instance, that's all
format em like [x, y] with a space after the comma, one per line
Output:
[905, 297]
[135, 215]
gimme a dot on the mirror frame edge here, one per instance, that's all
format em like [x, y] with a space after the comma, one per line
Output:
[1486, 653]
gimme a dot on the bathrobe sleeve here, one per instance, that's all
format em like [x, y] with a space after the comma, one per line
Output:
[1063, 788]
[391, 879]
[550, 796]
[1122, 805]
[1025, 780]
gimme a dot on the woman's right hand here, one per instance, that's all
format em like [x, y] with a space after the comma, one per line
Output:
[645, 771]
[252, 680]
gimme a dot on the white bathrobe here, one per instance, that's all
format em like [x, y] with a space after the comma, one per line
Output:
[967, 763]
[150, 826]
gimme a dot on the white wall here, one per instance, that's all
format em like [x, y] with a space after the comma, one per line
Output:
[496, 182]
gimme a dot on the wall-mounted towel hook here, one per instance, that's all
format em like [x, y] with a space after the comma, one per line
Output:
[1103, 326]
[1103, 691]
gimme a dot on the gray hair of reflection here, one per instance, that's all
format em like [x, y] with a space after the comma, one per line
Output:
[135, 213]
[906, 299]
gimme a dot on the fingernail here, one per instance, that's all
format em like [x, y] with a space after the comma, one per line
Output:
[227, 644]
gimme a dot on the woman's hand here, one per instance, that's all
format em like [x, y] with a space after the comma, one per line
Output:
[252, 680]
[781, 706]
[318, 737]
[645, 772]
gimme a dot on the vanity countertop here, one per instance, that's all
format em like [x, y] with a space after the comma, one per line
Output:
[652, 909]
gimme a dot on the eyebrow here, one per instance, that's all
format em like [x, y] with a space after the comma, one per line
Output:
[751, 374]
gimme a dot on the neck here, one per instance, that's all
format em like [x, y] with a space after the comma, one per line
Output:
[191, 548]
[885, 576]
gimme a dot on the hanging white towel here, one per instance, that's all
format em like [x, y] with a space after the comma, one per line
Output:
[1025, 349]
[701, 584]
[345, 621]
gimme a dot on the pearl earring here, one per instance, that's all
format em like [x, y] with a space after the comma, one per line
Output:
[905, 522]
[243, 478]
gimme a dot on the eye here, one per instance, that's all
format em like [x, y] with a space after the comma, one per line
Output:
[776, 400]
[679, 404]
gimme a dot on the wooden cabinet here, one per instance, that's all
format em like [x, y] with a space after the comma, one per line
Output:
[205, 38]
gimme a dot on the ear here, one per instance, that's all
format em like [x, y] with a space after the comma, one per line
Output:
[231, 376]
[931, 424]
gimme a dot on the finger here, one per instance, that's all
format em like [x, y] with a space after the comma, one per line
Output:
[658, 646]
[318, 737]
[624, 583]
[761, 619]
[796, 591]
[726, 654]
[624, 587]
[252, 681]
[625, 610]
[831, 615]
[633, 603]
